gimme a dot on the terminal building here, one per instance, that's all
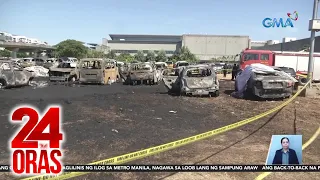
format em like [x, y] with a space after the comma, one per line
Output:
[205, 47]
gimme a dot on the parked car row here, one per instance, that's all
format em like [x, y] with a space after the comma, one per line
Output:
[200, 79]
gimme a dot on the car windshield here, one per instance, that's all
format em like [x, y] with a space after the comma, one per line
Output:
[91, 65]
[65, 65]
[199, 72]
[288, 70]
[183, 64]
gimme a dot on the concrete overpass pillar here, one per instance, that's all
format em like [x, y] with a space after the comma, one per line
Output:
[36, 53]
[14, 53]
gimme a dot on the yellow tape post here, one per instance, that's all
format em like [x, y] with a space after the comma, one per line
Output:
[165, 147]
[305, 145]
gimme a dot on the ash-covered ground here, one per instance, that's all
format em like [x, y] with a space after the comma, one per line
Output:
[105, 121]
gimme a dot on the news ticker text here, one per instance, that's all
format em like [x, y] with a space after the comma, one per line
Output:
[183, 168]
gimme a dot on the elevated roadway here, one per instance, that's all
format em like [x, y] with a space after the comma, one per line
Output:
[16, 47]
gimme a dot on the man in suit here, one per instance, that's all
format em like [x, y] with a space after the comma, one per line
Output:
[285, 156]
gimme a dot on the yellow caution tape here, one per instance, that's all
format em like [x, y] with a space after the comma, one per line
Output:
[314, 136]
[302, 75]
[165, 147]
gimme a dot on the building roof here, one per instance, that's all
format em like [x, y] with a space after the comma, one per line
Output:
[124, 36]
[143, 42]
[92, 44]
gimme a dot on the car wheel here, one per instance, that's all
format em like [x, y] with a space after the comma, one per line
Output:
[2, 84]
[72, 79]
[217, 93]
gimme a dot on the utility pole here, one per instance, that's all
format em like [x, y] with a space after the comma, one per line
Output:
[312, 40]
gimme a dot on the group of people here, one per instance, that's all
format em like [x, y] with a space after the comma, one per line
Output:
[235, 70]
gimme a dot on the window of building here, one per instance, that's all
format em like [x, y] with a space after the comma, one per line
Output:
[264, 56]
[250, 56]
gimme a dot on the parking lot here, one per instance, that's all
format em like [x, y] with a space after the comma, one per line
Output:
[110, 120]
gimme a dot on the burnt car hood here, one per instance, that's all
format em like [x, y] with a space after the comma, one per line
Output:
[62, 69]
[198, 82]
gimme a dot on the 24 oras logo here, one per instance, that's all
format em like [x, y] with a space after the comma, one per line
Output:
[269, 22]
[35, 147]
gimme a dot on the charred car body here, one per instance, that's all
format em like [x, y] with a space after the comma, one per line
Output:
[65, 71]
[143, 73]
[97, 71]
[12, 75]
[263, 81]
[193, 80]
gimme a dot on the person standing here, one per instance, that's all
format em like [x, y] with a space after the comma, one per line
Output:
[237, 71]
[225, 67]
[234, 71]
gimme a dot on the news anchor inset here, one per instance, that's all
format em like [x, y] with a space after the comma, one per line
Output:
[285, 150]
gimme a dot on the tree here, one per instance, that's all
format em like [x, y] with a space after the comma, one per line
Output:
[71, 48]
[161, 56]
[183, 54]
[21, 55]
[139, 56]
[125, 57]
[186, 55]
[95, 54]
[5, 53]
[151, 56]
[111, 55]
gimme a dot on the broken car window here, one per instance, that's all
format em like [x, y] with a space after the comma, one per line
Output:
[17, 67]
[199, 72]
[91, 65]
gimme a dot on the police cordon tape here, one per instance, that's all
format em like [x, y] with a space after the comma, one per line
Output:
[305, 145]
[165, 147]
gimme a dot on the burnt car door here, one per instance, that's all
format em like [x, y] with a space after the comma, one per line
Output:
[21, 78]
[6, 73]
[171, 80]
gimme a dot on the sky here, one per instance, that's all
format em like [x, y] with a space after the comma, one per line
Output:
[89, 21]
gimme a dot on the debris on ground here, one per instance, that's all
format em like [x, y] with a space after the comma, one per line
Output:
[38, 84]
[114, 130]
[173, 112]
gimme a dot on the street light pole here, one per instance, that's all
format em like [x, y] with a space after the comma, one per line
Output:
[312, 40]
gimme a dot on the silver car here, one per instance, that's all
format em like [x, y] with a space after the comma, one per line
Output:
[193, 80]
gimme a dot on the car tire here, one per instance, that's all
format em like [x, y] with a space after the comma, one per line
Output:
[3, 84]
[303, 81]
[216, 93]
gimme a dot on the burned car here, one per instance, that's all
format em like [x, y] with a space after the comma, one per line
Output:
[97, 71]
[143, 73]
[65, 71]
[12, 75]
[258, 80]
[193, 80]
[50, 62]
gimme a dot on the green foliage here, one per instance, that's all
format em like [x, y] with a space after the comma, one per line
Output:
[95, 54]
[21, 55]
[183, 54]
[139, 56]
[71, 48]
[111, 55]
[186, 55]
[151, 56]
[5, 53]
[125, 57]
[161, 56]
